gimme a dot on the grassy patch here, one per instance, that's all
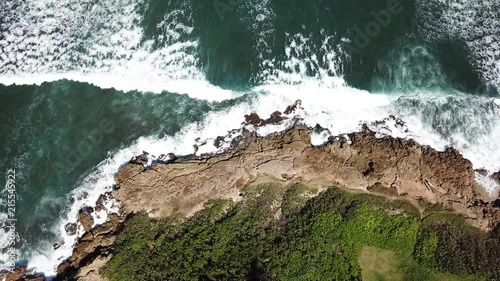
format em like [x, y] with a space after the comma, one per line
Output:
[385, 265]
[379, 265]
[281, 233]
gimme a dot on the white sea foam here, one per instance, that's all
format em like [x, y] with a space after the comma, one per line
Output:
[306, 63]
[474, 22]
[100, 43]
[5, 241]
[320, 138]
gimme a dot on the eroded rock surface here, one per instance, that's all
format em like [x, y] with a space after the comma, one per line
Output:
[86, 219]
[92, 246]
[21, 273]
[412, 171]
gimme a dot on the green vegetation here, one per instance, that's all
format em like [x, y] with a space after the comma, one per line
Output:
[285, 234]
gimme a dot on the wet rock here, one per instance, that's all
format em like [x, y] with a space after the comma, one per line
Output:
[36, 277]
[292, 108]
[219, 141]
[171, 157]
[142, 159]
[21, 274]
[197, 144]
[386, 125]
[253, 119]
[483, 172]
[318, 128]
[72, 200]
[99, 204]
[366, 130]
[91, 246]
[274, 119]
[17, 274]
[71, 228]
[86, 220]
[496, 204]
[496, 176]
[167, 158]
[56, 246]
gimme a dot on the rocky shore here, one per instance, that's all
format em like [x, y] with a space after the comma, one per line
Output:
[361, 162]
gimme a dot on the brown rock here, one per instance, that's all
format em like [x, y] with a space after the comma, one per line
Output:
[142, 159]
[70, 228]
[483, 172]
[275, 118]
[403, 167]
[21, 274]
[218, 141]
[90, 247]
[17, 274]
[171, 156]
[253, 119]
[99, 204]
[86, 220]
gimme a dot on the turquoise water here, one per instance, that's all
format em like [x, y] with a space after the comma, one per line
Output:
[161, 73]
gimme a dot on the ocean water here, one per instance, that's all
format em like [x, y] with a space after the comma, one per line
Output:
[85, 85]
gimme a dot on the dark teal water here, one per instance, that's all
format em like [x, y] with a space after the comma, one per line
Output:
[131, 62]
[43, 127]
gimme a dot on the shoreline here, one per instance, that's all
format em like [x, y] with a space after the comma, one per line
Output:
[366, 172]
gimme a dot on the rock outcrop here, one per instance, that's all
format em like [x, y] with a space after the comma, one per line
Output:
[70, 229]
[92, 246]
[400, 166]
[21, 274]
[363, 161]
[496, 176]
[86, 219]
